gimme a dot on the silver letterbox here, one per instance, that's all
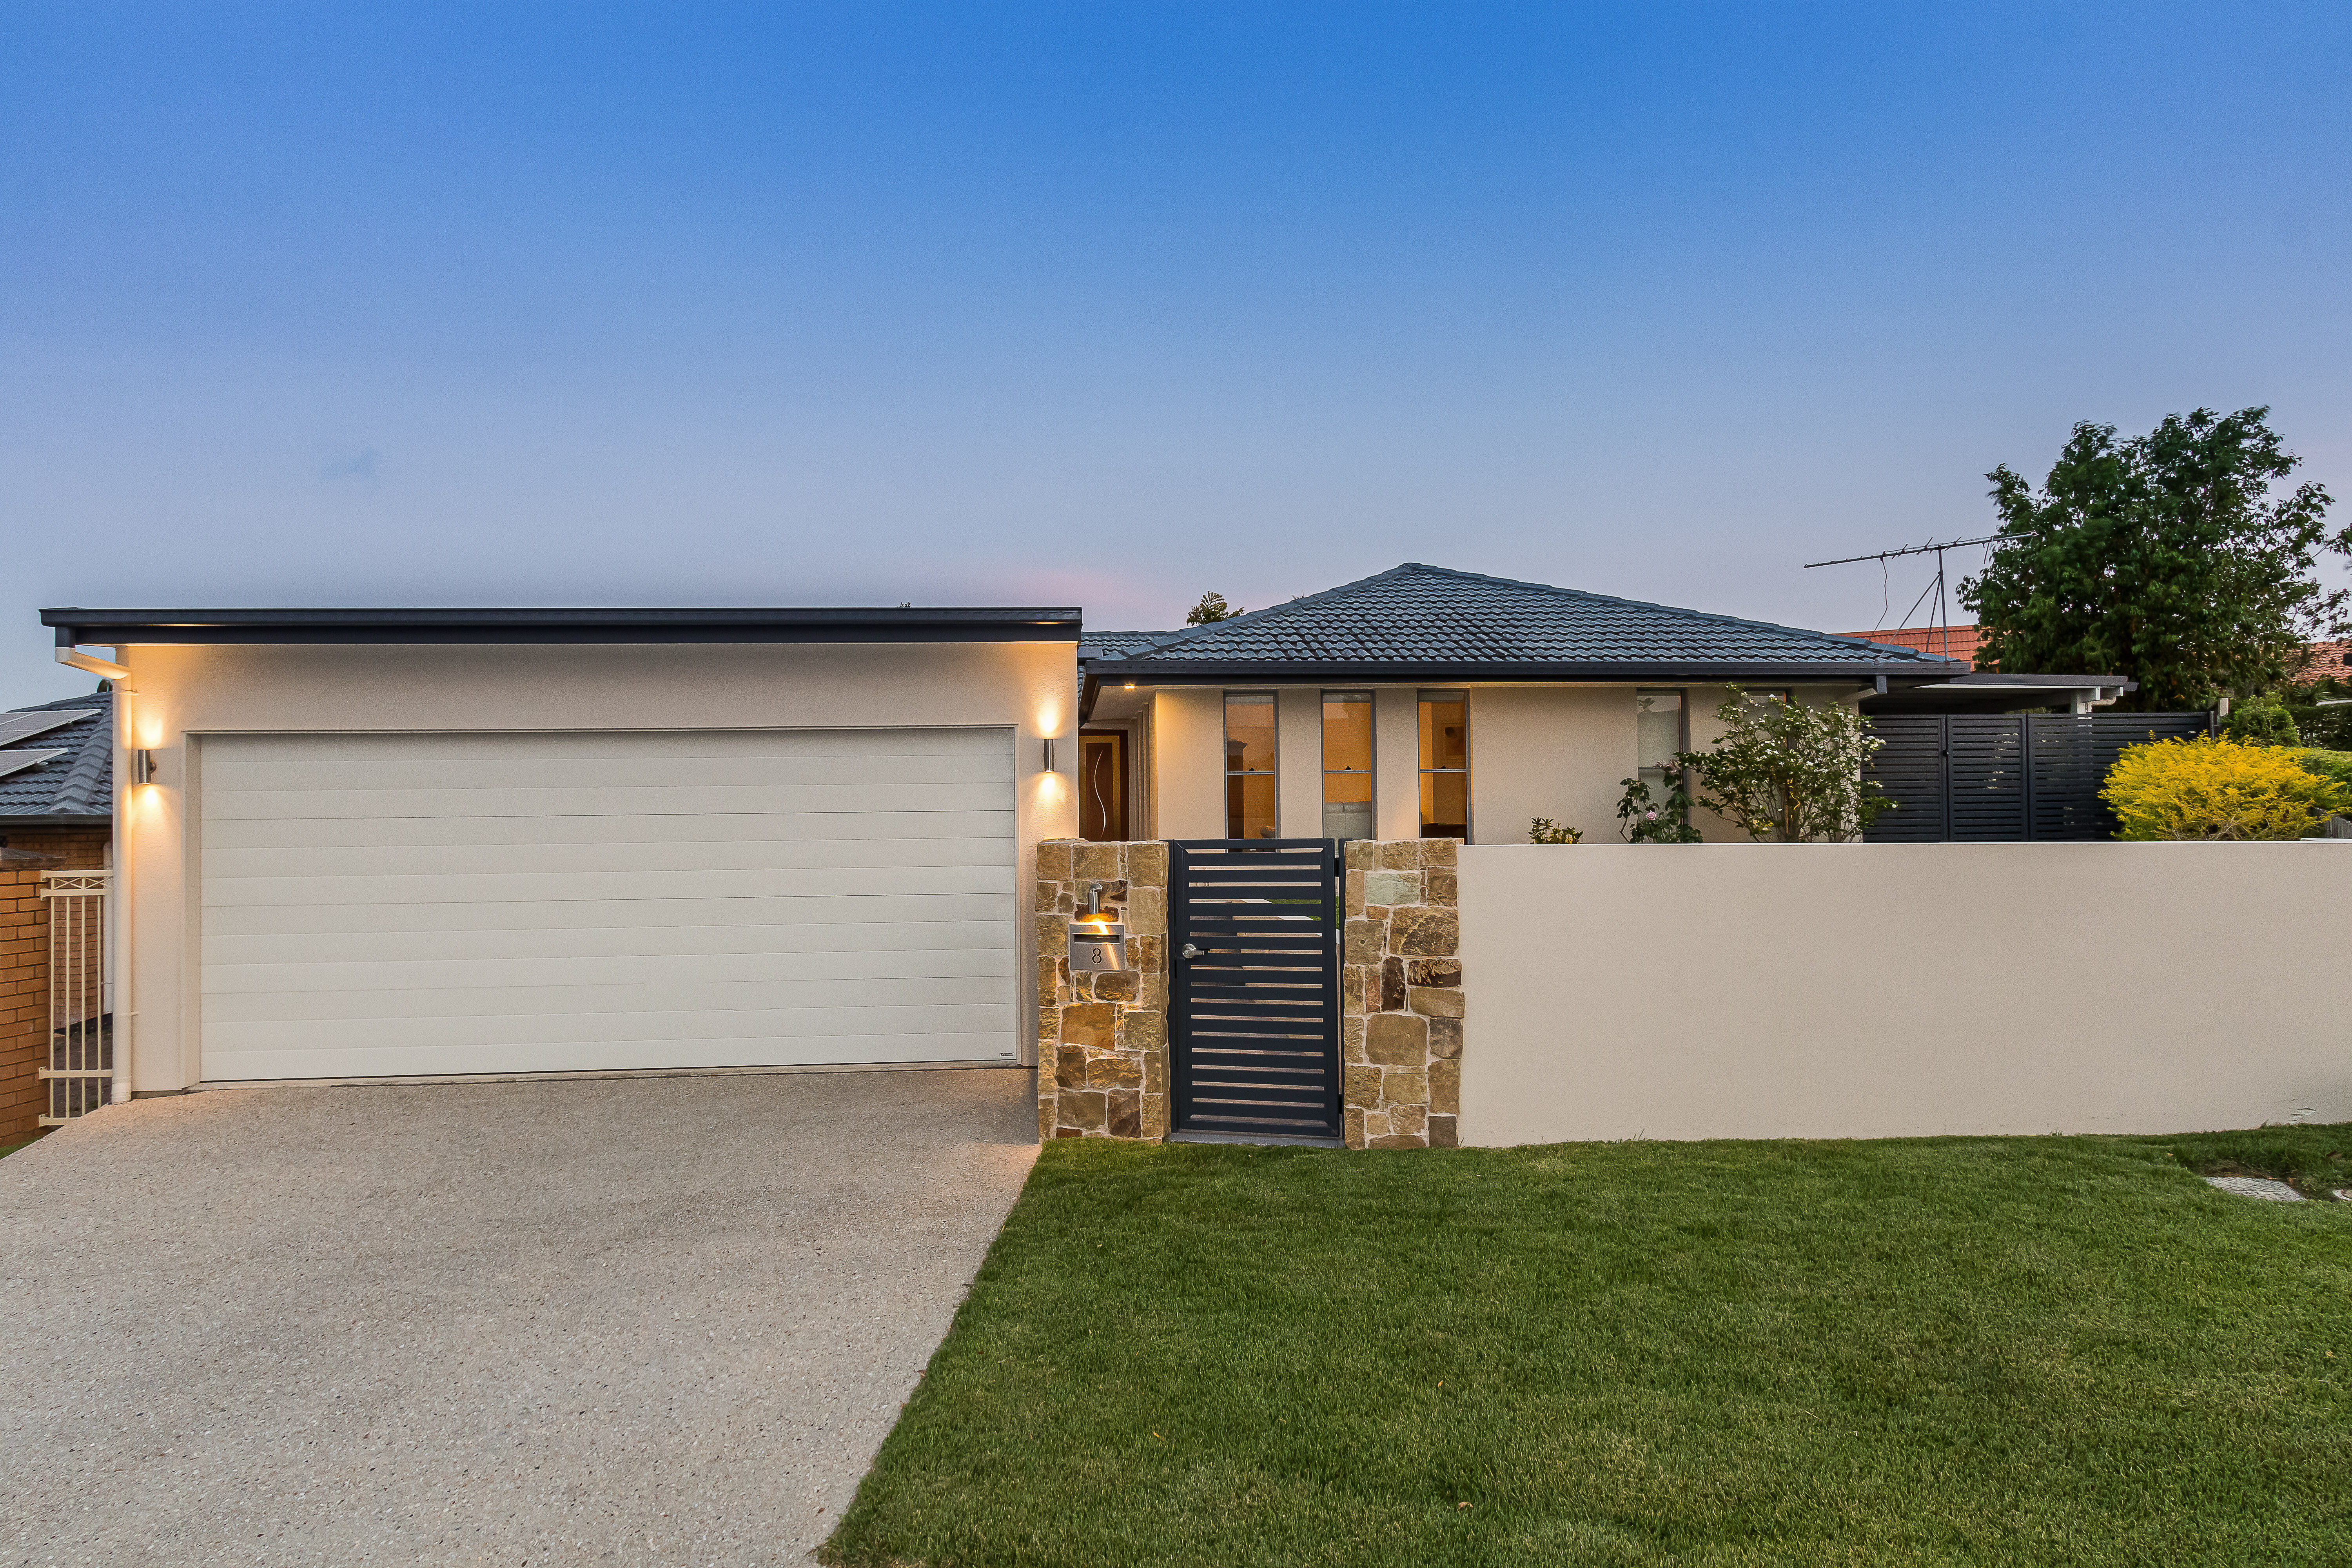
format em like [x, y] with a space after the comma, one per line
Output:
[1097, 942]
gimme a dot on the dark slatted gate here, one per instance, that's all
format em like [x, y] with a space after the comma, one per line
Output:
[1254, 974]
[2001, 777]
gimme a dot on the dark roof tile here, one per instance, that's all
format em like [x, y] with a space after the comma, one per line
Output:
[1434, 617]
[76, 785]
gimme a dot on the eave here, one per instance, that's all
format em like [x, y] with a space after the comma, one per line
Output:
[1269, 673]
[120, 627]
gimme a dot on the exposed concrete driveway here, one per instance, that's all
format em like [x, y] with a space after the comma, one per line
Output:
[618, 1322]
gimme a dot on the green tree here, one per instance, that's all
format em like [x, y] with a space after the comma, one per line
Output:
[1781, 770]
[2163, 557]
[2262, 721]
[1212, 609]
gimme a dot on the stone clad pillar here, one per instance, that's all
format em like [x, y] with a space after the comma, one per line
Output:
[1400, 983]
[1102, 1040]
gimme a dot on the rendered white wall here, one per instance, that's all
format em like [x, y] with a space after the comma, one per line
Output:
[1396, 761]
[1298, 717]
[1876, 989]
[176, 691]
[1548, 750]
[1188, 761]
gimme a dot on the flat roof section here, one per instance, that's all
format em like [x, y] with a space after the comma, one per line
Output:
[118, 627]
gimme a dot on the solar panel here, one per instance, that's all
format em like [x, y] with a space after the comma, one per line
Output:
[15, 727]
[17, 762]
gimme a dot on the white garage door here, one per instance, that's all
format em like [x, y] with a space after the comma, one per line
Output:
[389, 905]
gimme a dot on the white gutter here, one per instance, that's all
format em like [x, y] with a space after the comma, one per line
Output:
[106, 667]
[117, 895]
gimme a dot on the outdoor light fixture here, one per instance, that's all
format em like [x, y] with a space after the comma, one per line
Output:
[1049, 755]
[1097, 942]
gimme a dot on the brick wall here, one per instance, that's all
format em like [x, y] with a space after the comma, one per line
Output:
[24, 993]
[24, 963]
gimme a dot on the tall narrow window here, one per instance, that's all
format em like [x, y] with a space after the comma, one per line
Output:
[1446, 764]
[1348, 764]
[1249, 764]
[1661, 729]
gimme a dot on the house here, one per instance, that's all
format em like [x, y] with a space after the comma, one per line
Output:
[389, 844]
[1945, 642]
[1429, 703]
[2318, 660]
[56, 784]
[56, 809]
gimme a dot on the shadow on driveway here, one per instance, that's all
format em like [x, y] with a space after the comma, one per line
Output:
[604, 1321]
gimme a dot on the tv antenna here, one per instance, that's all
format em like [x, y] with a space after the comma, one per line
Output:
[1943, 612]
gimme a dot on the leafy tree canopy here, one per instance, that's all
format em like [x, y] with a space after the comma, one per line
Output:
[1212, 609]
[2164, 557]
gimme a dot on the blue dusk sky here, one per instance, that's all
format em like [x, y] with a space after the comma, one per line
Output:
[1107, 304]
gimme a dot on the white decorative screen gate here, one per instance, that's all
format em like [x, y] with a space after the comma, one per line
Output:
[81, 1072]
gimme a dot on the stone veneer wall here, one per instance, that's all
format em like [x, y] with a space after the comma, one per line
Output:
[1402, 985]
[1102, 1040]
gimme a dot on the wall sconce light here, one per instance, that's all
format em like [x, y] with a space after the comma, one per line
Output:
[143, 766]
[1049, 755]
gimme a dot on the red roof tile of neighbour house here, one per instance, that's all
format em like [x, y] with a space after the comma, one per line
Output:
[1952, 642]
[2326, 659]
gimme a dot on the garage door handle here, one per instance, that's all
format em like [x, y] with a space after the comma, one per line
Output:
[1192, 952]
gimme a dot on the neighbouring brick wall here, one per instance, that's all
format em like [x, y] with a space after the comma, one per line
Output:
[25, 854]
[23, 993]
[70, 848]
[1102, 1040]
[1402, 985]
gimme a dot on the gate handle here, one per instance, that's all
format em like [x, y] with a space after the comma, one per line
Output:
[1192, 952]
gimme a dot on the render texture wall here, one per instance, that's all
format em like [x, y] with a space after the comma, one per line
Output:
[179, 691]
[1548, 750]
[1801, 990]
[1188, 763]
[1553, 751]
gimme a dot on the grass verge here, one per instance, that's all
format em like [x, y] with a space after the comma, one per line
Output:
[1940, 1350]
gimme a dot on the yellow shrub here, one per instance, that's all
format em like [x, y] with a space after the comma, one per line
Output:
[2212, 787]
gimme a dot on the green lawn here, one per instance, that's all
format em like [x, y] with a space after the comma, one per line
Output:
[2025, 1350]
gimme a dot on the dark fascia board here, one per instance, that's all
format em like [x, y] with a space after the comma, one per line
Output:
[50, 819]
[756, 624]
[1157, 674]
[1880, 676]
[1996, 678]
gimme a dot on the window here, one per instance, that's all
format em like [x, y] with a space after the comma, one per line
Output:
[1662, 727]
[1446, 764]
[1348, 764]
[1249, 764]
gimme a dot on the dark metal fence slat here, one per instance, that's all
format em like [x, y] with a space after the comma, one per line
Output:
[1254, 1018]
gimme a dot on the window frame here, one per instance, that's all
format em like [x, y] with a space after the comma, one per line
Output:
[1422, 699]
[1369, 771]
[1252, 696]
[1682, 724]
